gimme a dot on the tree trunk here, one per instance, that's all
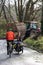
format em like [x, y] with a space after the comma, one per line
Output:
[42, 19]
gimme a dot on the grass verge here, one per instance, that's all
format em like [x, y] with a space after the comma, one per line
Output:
[35, 44]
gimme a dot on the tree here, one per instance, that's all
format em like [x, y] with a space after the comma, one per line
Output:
[6, 11]
[25, 10]
[42, 19]
[19, 10]
[2, 4]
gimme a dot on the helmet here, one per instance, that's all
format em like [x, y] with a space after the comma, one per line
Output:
[9, 29]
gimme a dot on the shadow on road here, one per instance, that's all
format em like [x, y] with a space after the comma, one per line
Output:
[4, 57]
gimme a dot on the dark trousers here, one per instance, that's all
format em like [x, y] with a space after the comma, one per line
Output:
[8, 44]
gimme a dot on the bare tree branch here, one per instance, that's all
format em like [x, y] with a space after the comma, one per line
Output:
[27, 7]
[35, 2]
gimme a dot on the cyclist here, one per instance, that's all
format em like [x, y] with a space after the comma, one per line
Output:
[10, 36]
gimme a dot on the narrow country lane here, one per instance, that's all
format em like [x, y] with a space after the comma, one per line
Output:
[29, 57]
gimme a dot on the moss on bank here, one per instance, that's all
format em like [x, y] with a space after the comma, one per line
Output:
[35, 44]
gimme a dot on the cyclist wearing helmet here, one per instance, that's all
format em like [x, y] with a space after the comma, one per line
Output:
[10, 36]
